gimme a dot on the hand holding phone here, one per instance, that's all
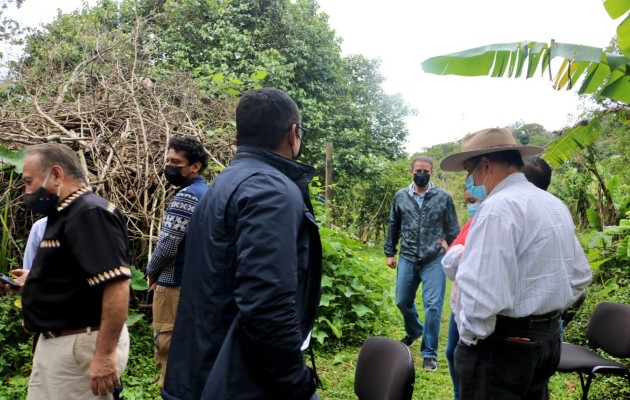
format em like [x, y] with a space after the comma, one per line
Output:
[9, 281]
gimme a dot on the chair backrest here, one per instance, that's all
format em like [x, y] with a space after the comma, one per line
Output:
[609, 328]
[384, 371]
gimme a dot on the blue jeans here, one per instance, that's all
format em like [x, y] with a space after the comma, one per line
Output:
[453, 338]
[433, 281]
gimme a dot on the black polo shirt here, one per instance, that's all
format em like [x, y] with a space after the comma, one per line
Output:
[85, 246]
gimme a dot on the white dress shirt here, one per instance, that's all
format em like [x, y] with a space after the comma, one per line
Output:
[522, 258]
[33, 241]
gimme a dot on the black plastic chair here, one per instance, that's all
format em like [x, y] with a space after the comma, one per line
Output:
[609, 330]
[384, 370]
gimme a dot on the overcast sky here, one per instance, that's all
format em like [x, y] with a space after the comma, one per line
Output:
[403, 33]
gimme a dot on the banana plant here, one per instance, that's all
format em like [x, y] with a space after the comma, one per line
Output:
[588, 69]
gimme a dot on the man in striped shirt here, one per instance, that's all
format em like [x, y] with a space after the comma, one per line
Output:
[522, 264]
[185, 162]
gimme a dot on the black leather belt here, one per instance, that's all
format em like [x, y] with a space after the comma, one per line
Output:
[529, 320]
[67, 332]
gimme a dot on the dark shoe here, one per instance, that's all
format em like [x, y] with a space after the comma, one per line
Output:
[407, 341]
[429, 364]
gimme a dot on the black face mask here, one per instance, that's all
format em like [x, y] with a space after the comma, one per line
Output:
[299, 153]
[174, 175]
[421, 179]
[42, 201]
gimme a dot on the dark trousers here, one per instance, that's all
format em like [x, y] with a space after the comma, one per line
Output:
[515, 362]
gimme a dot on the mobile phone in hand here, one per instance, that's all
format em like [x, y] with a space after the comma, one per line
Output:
[9, 281]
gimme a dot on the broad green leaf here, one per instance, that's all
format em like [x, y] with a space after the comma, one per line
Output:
[133, 318]
[327, 281]
[616, 8]
[326, 299]
[602, 73]
[597, 264]
[623, 35]
[618, 88]
[259, 75]
[358, 285]
[319, 335]
[593, 219]
[595, 76]
[613, 187]
[623, 252]
[218, 78]
[572, 142]
[14, 158]
[361, 310]
[336, 330]
[348, 291]
[137, 280]
[328, 248]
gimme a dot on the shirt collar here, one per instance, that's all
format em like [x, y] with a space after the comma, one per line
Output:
[412, 190]
[72, 197]
[197, 179]
[508, 181]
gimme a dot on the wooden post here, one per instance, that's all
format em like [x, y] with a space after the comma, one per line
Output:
[329, 171]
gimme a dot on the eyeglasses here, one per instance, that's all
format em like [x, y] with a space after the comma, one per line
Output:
[300, 131]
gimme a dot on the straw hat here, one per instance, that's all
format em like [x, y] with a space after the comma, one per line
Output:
[485, 142]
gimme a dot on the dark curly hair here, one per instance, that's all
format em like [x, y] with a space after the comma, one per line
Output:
[192, 148]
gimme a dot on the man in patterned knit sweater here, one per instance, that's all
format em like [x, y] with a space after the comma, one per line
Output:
[185, 162]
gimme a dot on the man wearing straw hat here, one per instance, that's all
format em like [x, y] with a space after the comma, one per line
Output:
[522, 264]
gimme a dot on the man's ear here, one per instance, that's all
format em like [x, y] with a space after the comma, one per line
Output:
[196, 166]
[57, 172]
[293, 135]
[487, 163]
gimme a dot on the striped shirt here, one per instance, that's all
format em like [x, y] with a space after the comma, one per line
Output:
[522, 258]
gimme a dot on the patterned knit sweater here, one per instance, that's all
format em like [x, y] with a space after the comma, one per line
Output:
[167, 260]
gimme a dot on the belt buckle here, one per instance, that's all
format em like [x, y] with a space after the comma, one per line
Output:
[50, 335]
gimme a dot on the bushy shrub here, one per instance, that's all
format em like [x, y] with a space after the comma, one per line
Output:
[357, 299]
[16, 344]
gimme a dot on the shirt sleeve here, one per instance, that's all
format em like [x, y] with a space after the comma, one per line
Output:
[451, 225]
[99, 242]
[33, 241]
[487, 275]
[393, 230]
[174, 228]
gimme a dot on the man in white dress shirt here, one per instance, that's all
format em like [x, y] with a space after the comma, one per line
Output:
[522, 264]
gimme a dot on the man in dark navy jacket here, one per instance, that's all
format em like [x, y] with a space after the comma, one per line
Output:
[252, 271]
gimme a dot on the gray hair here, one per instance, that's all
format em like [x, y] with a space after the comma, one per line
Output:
[51, 154]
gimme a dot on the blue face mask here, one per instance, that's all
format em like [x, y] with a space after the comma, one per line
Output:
[472, 209]
[478, 192]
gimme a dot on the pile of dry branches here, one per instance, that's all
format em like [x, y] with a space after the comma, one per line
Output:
[119, 123]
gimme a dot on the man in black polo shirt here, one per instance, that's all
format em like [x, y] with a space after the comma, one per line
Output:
[76, 295]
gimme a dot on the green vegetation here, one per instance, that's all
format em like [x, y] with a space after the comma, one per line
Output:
[116, 80]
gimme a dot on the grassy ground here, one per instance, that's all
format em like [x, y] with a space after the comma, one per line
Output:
[336, 368]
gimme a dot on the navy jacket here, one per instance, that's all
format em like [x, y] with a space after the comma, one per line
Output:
[251, 285]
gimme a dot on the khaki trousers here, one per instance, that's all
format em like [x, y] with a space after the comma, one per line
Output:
[61, 366]
[165, 300]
